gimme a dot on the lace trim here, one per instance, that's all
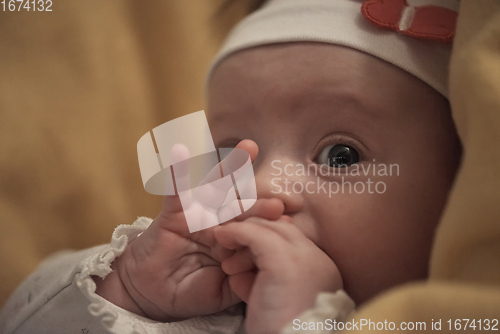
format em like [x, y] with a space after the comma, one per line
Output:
[118, 320]
[329, 306]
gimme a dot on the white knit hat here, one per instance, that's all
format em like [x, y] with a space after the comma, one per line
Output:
[377, 27]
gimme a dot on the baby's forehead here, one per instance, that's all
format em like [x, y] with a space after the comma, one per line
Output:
[315, 75]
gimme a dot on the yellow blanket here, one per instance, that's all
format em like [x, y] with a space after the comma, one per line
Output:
[78, 87]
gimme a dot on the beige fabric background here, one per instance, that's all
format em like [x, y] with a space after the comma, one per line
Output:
[78, 87]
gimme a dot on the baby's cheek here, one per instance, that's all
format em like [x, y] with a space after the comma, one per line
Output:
[373, 241]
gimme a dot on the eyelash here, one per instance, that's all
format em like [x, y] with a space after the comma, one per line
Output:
[332, 139]
[337, 139]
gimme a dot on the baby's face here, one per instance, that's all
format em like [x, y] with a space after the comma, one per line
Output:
[320, 105]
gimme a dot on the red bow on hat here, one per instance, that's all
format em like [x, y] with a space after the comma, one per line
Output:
[427, 22]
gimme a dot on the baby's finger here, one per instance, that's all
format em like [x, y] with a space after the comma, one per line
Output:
[250, 146]
[284, 227]
[172, 204]
[241, 261]
[242, 284]
[264, 243]
[268, 208]
[233, 160]
[214, 188]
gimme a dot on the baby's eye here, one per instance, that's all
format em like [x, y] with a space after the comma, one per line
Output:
[338, 156]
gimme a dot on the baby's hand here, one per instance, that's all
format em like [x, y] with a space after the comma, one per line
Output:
[169, 274]
[278, 272]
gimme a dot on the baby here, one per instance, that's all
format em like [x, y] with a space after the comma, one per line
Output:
[354, 152]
